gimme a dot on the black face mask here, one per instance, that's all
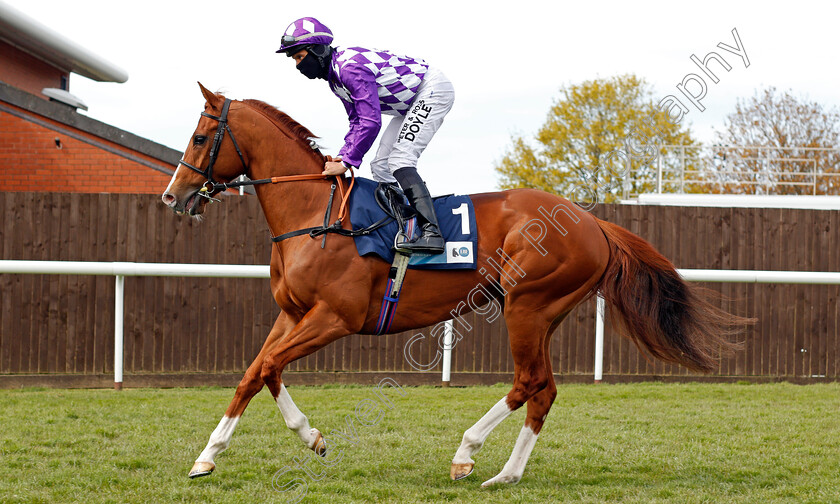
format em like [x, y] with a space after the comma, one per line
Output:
[310, 67]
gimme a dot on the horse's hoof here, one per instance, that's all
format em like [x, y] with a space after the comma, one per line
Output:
[501, 479]
[320, 446]
[202, 469]
[461, 471]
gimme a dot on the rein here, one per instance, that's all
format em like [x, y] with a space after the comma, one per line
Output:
[212, 187]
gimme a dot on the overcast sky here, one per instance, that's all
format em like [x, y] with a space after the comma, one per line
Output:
[507, 61]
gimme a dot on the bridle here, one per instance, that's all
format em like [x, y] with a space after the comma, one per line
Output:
[212, 187]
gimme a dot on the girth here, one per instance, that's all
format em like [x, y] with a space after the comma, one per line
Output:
[389, 198]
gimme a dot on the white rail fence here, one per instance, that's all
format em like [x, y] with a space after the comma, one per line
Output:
[120, 270]
[740, 168]
[706, 275]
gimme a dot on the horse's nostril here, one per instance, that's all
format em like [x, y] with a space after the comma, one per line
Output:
[168, 199]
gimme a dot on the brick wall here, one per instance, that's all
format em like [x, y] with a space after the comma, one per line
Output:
[27, 72]
[31, 161]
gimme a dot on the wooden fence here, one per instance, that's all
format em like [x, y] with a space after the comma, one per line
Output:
[58, 330]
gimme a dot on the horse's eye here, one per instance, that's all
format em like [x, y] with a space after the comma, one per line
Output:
[199, 140]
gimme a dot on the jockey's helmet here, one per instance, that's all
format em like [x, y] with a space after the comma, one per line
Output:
[302, 33]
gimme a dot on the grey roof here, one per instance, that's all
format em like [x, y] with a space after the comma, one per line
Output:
[27, 34]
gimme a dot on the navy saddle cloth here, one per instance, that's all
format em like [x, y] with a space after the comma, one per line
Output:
[457, 224]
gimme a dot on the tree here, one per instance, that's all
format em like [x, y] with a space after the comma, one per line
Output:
[774, 143]
[593, 133]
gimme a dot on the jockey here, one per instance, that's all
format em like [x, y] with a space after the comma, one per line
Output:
[371, 83]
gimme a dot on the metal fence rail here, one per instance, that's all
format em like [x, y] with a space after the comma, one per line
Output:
[734, 169]
[120, 270]
[707, 275]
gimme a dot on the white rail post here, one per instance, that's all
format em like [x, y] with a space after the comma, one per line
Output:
[659, 174]
[599, 338]
[626, 184]
[119, 291]
[447, 353]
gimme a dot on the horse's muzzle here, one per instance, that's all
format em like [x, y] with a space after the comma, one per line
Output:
[191, 205]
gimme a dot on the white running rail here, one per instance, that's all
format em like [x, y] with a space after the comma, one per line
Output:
[706, 275]
[120, 270]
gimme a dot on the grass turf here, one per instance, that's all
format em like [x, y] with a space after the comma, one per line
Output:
[638, 443]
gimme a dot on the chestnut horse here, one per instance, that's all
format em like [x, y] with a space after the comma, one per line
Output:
[539, 254]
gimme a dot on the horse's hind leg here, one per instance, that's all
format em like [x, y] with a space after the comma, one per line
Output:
[534, 381]
[248, 387]
[538, 406]
[530, 377]
[474, 437]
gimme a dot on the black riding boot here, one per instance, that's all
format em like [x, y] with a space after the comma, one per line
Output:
[430, 241]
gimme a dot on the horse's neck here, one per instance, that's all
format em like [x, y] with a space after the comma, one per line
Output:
[273, 151]
[293, 205]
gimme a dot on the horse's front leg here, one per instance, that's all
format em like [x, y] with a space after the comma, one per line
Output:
[320, 327]
[250, 385]
[297, 422]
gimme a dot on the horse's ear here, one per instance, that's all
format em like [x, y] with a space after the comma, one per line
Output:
[212, 98]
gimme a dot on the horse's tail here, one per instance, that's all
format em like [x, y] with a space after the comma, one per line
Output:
[661, 313]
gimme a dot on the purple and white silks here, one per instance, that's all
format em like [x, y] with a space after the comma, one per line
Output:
[372, 83]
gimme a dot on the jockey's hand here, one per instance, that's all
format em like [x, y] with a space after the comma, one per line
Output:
[334, 166]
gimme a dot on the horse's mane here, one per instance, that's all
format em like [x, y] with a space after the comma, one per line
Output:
[281, 118]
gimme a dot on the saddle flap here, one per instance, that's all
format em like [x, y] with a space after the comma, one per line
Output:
[370, 205]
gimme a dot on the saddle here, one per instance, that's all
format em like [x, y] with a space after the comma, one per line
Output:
[382, 219]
